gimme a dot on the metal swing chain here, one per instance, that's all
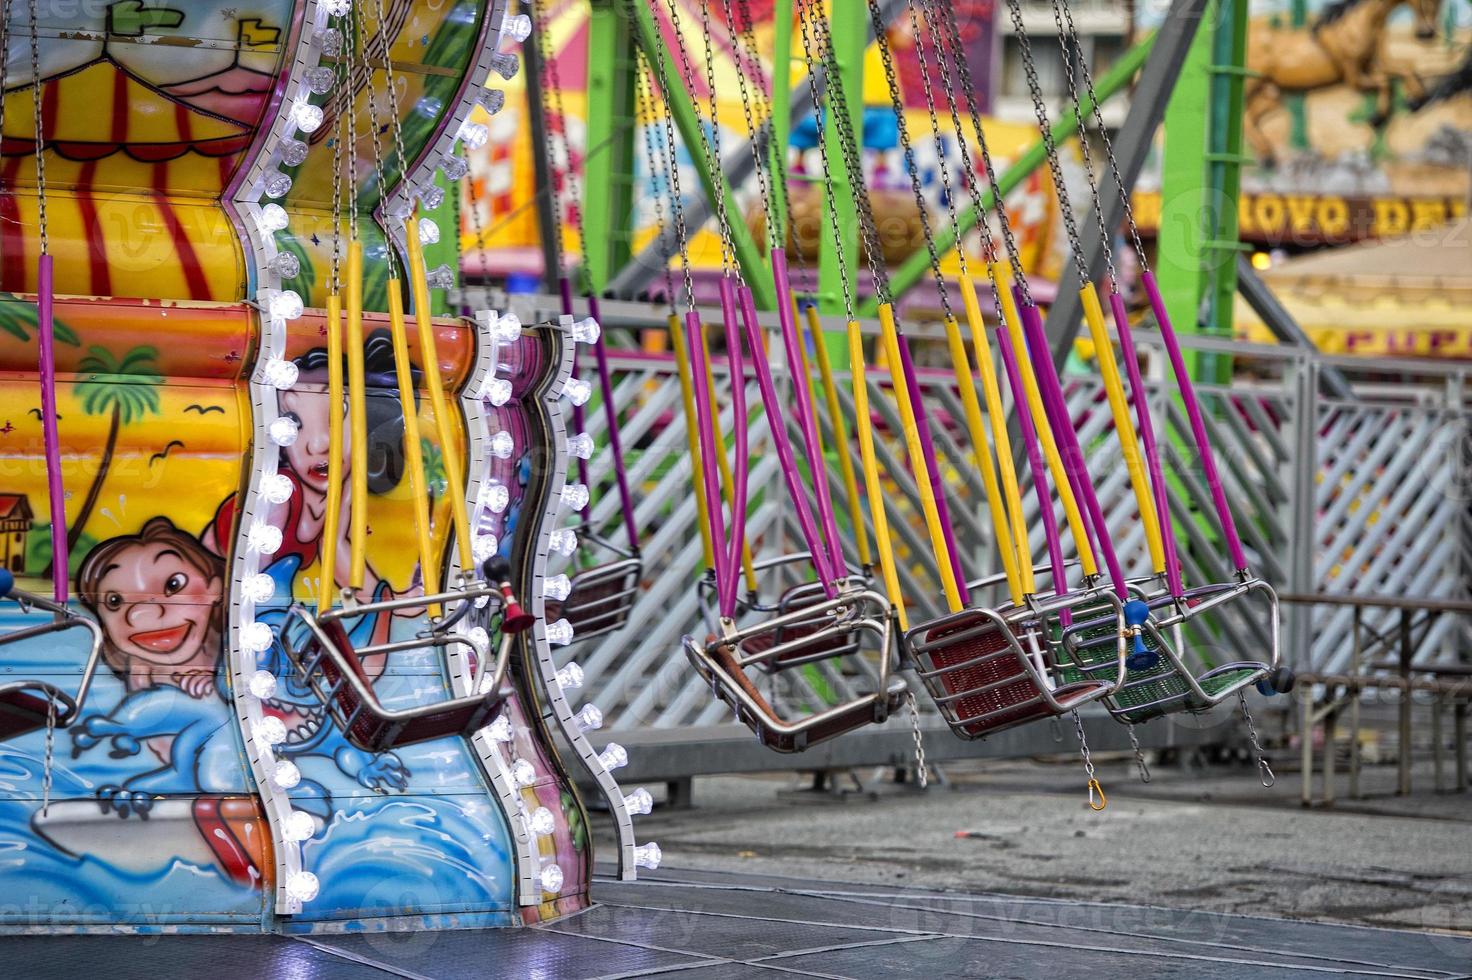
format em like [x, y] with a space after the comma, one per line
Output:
[1139, 755]
[350, 110]
[887, 58]
[845, 285]
[1097, 799]
[552, 84]
[1072, 54]
[658, 178]
[50, 755]
[1050, 146]
[768, 210]
[921, 773]
[5, 16]
[388, 256]
[777, 165]
[940, 156]
[344, 107]
[1098, 113]
[963, 72]
[392, 98]
[1265, 771]
[40, 137]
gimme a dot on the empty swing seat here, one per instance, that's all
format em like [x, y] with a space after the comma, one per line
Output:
[982, 678]
[27, 705]
[1158, 682]
[600, 598]
[327, 663]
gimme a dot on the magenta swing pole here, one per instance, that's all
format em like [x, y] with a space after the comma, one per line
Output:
[615, 444]
[45, 340]
[705, 430]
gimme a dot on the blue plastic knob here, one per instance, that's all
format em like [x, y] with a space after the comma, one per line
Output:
[1141, 657]
[7, 581]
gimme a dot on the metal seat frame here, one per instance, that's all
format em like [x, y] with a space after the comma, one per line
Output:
[349, 697]
[853, 612]
[12, 693]
[1011, 622]
[1156, 631]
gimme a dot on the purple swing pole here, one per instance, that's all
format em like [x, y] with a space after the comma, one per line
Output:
[610, 412]
[51, 440]
[1198, 424]
[1161, 492]
[706, 432]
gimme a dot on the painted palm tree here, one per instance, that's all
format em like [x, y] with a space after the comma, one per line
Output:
[126, 389]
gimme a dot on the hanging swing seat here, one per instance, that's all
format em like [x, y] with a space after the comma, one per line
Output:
[992, 669]
[1158, 680]
[601, 597]
[803, 638]
[26, 704]
[856, 621]
[332, 668]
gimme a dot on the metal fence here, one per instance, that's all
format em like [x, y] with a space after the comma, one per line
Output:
[1365, 495]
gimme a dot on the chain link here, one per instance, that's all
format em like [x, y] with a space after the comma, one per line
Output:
[710, 151]
[845, 286]
[552, 86]
[921, 771]
[777, 162]
[1097, 799]
[1265, 771]
[658, 179]
[740, 57]
[50, 755]
[876, 17]
[393, 105]
[343, 98]
[389, 257]
[40, 136]
[935, 133]
[1139, 755]
[1050, 146]
[350, 65]
[1072, 54]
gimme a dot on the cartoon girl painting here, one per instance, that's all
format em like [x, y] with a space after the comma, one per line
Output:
[305, 461]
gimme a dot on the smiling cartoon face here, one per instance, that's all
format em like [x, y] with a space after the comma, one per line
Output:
[308, 455]
[155, 606]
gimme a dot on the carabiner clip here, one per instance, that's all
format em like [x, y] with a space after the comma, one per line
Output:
[1095, 790]
[1266, 773]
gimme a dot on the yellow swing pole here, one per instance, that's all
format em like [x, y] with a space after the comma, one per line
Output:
[889, 335]
[327, 590]
[692, 438]
[840, 435]
[865, 431]
[1071, 511]
[357, 418]
[1120, 410]
[413, 454]
[728, 482]
[444, 427]
[991, 390]
[981, 450]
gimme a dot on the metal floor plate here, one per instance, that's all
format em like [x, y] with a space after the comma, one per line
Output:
[715, 926]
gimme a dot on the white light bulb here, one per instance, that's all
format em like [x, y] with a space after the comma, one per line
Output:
[286, 304]
[270, 729]
[498, 391]
[613, 756]
[329, 39]
[276, 488]
[639, 802]
[474, 134]
[524, 773]
[272, 218]
[298, 826]
[495, 498]
[500, 729]
[285, 264]
[337, 8]
[590, 719]
[263, 684]
[586, 331]
[570, 678]
[484, 547]
[542, 821]
[559, 634]
[440, 277]
[454, 167]
[558, 587]
[551, 878]
[577, 391]
[517, 27]
[320, 80]
[255, 637]
[283, 430]
[492, 100]
[308, 117]
[280, 373]
[575, 496]
[505, 65]
[276, 184]
[258, 588]
[479, 639]
[563, 541]
[581, 446]
[431, 196]
[648, 856]
[507, 329]
[302, 886]
[294, 151]
[285, 774]
[264, 538]
[502, 445]
[429, 231]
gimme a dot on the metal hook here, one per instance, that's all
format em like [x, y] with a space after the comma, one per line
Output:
[1095, 790]
[1144, 768]
[1266, 773]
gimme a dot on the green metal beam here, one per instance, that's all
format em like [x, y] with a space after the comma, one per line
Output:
[608, 184]
[1224, 159]
[754, 265]
[849, 27]
[917, 266]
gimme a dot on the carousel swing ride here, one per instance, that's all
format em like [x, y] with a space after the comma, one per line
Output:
[363, 642]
